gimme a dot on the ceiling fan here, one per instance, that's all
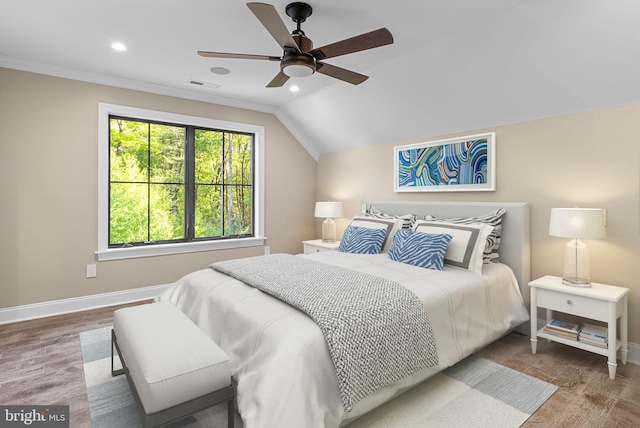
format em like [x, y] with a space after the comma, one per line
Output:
[300, 59]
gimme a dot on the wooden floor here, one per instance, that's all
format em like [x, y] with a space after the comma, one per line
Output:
[41, 364]
[586, 397]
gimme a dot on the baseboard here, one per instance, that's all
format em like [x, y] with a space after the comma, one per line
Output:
[77, 304]
[633, 356]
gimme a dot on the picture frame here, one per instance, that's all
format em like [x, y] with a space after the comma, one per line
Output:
[460, 164]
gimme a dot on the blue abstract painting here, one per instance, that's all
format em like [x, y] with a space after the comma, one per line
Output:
[464, 163]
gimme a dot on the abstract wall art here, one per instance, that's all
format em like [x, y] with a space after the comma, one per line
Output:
[451, 165]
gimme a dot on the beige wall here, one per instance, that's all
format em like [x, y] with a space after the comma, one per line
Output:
[587, 159]
[48, 190]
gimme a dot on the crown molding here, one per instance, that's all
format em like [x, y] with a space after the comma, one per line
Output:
[119, 82]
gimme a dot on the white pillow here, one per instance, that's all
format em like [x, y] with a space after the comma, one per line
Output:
[467, 246]
[391, 225]
[494, 219]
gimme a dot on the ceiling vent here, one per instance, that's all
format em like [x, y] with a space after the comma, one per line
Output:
[204, 84]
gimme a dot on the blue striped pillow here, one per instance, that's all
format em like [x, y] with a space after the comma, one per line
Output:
[362, 240]
[419, 249]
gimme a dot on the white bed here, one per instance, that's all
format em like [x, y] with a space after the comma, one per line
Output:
[279, 357]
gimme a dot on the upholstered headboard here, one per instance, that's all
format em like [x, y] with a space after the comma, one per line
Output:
[515, 240]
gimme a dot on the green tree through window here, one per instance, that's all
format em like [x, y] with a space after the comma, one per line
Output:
[177, 183]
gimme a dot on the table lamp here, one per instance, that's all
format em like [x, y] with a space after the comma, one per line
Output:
[328, 211]
[577, 223]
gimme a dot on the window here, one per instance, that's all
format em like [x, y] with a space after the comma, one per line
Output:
[172, 183]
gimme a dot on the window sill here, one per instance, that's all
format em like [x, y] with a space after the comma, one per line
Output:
[167, 249]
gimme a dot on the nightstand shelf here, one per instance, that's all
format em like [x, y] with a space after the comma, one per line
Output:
[601, 302]
[316, 246]
[577, 344]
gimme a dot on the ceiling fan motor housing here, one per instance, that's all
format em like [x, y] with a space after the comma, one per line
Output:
[295, 64]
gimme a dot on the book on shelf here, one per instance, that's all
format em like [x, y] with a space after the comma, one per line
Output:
[562, 328]
[594, 331]
[594, 335]
[565, 326]
[556, 332]
[589, 341]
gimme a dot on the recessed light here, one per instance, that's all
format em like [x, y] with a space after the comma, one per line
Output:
[294, 88]
[220, 70]
[118, 46]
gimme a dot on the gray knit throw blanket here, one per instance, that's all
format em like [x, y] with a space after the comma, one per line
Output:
[377, 331]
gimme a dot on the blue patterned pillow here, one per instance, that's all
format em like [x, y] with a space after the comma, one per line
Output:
[362, 240]
[419, 249]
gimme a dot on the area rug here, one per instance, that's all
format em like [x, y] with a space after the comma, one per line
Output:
[473, 393]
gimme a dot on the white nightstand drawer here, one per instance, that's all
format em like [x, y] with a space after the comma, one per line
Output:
[317, 246]
[308, 249]
[574, 305]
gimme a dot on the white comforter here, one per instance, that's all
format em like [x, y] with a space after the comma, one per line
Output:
[279, 357]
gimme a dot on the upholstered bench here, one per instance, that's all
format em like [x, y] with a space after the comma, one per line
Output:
[174, 369]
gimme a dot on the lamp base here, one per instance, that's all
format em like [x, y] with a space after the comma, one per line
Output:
[329, 231]
[576, 264]
[577, 282]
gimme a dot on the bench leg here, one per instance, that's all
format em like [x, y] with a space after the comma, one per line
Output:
[231, 412]
[114, 343]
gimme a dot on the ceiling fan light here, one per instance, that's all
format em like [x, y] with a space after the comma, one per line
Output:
[298, 70]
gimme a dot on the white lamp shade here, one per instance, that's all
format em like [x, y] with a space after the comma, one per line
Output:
[580, 223]
[328, 209]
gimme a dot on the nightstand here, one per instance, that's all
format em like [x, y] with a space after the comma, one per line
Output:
[599, 302]
[316, 246]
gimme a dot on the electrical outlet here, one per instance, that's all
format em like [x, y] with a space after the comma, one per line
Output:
[267, 250]
[364, 208]
[91, 271]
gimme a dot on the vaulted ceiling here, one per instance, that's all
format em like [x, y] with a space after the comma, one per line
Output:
[454, 65]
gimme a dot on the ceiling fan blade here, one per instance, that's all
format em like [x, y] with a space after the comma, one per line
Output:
[372, 39]
[278, 81]
[270, 19]
[341, 73]
[237, 56]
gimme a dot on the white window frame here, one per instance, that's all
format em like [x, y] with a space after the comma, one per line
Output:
[106, 253]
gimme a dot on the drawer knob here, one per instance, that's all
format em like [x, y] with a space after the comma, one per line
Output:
[569, 302]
